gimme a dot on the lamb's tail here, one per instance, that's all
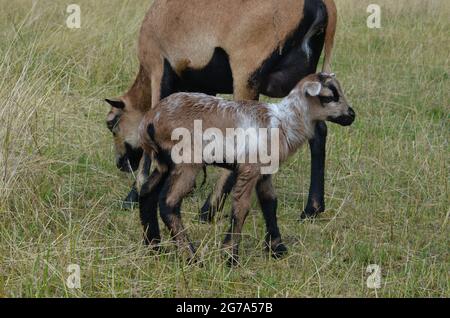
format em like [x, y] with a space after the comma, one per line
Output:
[147, 137]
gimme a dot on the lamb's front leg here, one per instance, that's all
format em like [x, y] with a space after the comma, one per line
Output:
[245, 183]
[316, 201]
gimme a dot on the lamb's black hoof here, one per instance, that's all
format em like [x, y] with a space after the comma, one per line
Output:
[131, 201]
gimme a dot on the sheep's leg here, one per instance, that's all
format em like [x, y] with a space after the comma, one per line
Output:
[316, 201]
[216, 200]
[268, 202]
[157, 84]
[180, 182]
[141, 91]
[161, 83]
[241, 205]
[131, 199]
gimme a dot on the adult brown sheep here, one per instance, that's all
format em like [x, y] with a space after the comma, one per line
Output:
[240, 47]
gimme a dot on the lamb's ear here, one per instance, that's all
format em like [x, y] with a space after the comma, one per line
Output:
[116, 103]
[313, 88]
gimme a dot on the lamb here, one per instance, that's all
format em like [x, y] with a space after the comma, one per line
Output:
[318, 97]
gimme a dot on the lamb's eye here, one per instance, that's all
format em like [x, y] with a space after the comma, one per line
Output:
[326, 99]
[112, 124]
[335, 93]
[332, 96]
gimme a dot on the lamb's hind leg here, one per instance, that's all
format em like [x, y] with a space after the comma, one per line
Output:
[242, 193]
[268, 202]
[148, 201]
[179, 183]
[217, 198]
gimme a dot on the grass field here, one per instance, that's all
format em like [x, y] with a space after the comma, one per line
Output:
[387, 187]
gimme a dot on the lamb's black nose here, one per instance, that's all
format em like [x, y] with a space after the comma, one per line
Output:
[351, 113]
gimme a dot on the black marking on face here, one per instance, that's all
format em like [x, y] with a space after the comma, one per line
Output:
[330, 99]
[130, 161]
[336, 95]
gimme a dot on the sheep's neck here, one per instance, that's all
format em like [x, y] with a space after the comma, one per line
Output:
[294, 121]
[139, 95]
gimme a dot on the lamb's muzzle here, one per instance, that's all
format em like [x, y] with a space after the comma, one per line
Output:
[344, 120]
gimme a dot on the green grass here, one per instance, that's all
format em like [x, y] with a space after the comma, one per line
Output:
[387, 188]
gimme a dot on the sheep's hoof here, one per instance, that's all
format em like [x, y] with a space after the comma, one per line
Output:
[276, 250]
[131, 200]
[311, 212]
[279, 251]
